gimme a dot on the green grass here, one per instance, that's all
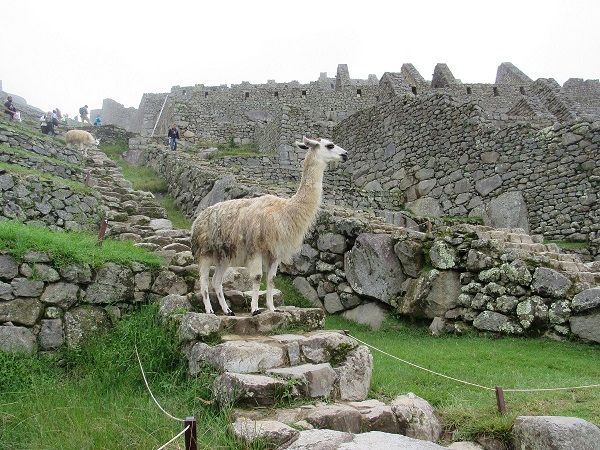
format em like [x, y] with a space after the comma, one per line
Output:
[568, 245]
[178, 218]
[67, 247]
[95, 397]
[512, 363]
[142, 178]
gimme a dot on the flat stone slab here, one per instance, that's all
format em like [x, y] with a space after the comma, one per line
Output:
[200, 326]
[237, 356]
[271, 432]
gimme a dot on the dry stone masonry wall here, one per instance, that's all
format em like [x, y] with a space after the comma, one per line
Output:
[444, 159]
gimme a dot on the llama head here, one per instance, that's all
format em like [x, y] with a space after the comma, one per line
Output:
[324, 149]
[97, 141]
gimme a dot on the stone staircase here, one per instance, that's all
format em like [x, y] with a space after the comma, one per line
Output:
[263, 360]
[533, 247]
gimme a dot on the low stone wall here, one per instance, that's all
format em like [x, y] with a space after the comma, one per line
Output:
[503, 281]
[36, 200]
[21, 137]
[43, 306]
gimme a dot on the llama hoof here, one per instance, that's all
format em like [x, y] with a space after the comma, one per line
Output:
[256, 313]
[230, 313]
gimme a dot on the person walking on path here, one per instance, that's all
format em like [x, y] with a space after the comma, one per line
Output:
[173, 136]
[85, 115]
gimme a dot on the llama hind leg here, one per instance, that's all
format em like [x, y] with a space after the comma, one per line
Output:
[255, 273]
[217, 282]
[204, 271]
[272, 271]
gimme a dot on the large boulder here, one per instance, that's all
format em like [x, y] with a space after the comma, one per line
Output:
[315, 380]
[555, 433]
[354, 375]
[240, 356]
[550, 283]
[431, 295]
[373, 269]
[371, 314]
[417, 418]
[586, 300]
[586, 327]
[246, 389]
[508, 210]
[337, 417]
[22, 311]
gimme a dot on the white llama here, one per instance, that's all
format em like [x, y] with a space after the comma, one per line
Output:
[260, 232]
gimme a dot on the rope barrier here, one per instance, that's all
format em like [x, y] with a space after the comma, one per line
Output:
[467, 382]
[148, 387]
[179, 434]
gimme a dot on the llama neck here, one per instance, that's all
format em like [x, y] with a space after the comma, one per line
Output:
[308, 196]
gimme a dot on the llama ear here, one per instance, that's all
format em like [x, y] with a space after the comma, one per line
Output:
[301, 146]
[310, 142]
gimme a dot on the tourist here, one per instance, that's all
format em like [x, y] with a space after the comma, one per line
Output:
[173, 136]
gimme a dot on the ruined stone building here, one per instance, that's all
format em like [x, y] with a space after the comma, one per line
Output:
[518, 152]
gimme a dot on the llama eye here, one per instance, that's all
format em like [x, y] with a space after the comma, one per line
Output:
[330, 146]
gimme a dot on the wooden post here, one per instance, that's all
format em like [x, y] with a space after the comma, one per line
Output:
[500, 400]
[102, 231]
[428, 225]
[87, 178]
[191, 441]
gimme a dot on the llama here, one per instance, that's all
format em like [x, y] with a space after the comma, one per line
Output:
[81, 138]
[260, 232]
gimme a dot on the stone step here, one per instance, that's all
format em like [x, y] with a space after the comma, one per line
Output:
[247, 390]
[407, 415]
[310, 380]
[195, 326]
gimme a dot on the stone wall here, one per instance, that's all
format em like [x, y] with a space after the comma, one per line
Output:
[437, 152]
[43, 305]
[218, 113]
[43, 196]
[437, 157]
[461, 276]
[504, 281]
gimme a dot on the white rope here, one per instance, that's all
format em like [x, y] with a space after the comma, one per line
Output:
[422, 368]
[179, 434]
[472, 384]
[148, 387]
[553, 389]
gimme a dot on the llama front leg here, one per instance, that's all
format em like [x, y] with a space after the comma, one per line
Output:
[272, 271]
[217, 282]
[204, 271]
